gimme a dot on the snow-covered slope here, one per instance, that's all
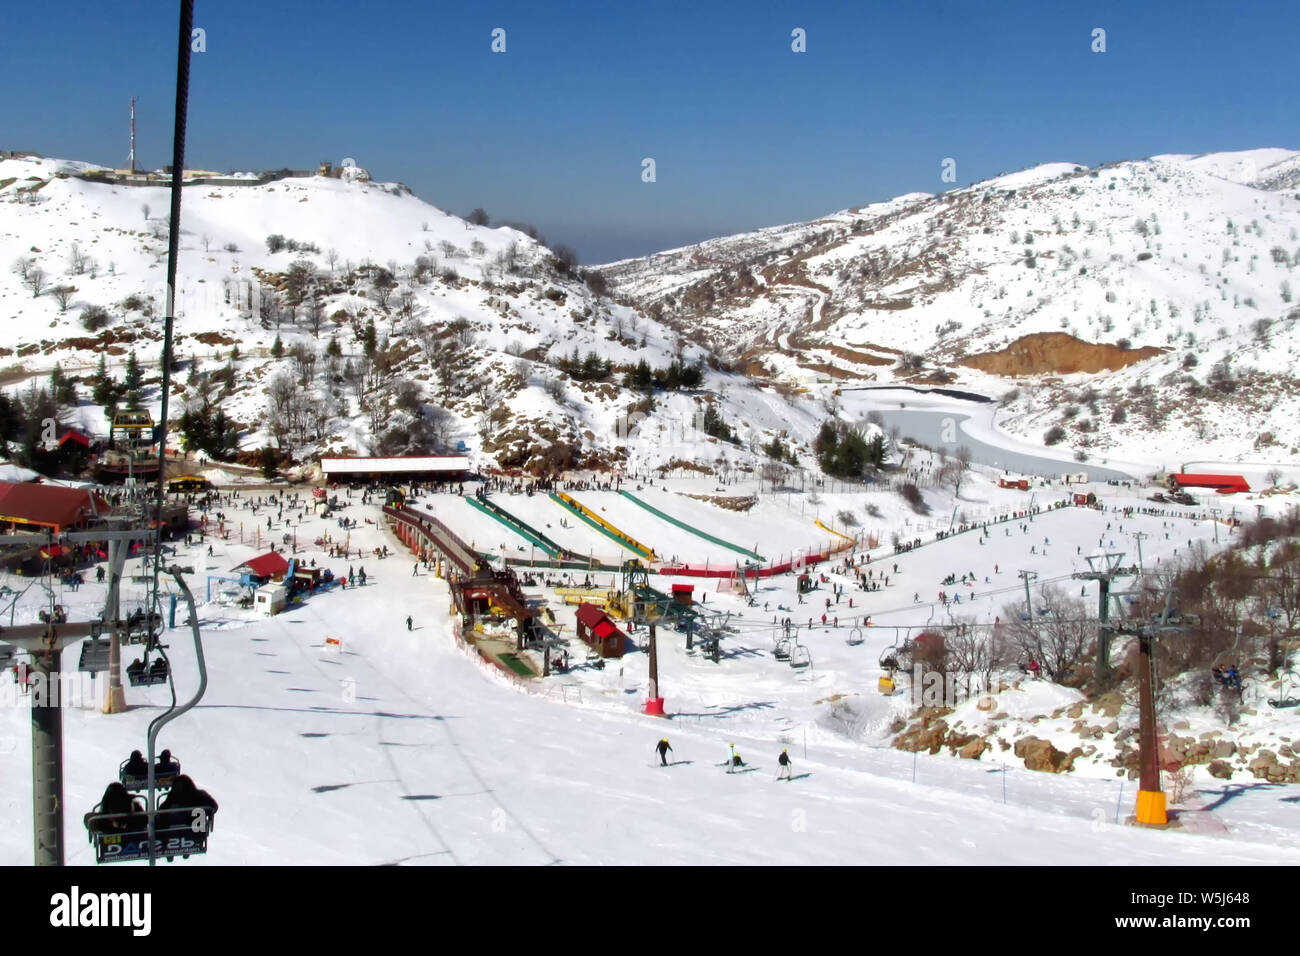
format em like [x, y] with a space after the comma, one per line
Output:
[1162, 287]
[471, 324]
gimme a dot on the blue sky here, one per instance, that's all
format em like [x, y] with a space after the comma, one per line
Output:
[744, 132]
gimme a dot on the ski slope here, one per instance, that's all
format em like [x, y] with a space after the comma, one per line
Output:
[402, 749]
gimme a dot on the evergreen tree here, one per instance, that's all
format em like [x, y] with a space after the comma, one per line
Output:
[133, 377]
[277, 348]
[369, 340]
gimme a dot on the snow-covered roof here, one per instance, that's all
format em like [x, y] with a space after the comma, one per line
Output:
[400, 465]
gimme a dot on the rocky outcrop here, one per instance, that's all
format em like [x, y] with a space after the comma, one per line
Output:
[1042, 756]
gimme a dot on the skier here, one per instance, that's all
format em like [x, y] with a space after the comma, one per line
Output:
[408, 622]
[663, 747]
[784, 761]
[135, 764]
[735, 759]
[183, 800]
[415, 571]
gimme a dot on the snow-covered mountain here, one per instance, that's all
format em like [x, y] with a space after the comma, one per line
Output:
[475, 329]
[1136, 297]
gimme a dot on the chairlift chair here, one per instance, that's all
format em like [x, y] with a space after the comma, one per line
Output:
[141, 673]
[124, 837]
[855, 637]
[800, 656]
[1288, 692]
[783, 648]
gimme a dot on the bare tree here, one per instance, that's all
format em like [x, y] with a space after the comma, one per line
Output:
[305, 356]
[315, 313]
[64, 294]
[206, 240]
[1058, 639]
[266, 303]
[22, 265]
[955, 470]
[972, 654]
[426, 337]
[773, 473]
[36, 280]
[76, 260]
[331, 259]
[382, 285]
[282, 412]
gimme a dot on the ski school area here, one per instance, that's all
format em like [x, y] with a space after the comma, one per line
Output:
[486, 695]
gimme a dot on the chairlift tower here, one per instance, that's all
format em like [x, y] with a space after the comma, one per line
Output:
[1138, 536]
[632, 572]
[45, 643]
[1103, 568]
[1028, 576]
[1151, 806]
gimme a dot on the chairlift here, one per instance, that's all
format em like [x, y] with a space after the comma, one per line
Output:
[855, 637]
[141, 673]
[782, 650]
[141, 627]
[800, 656]
[897, 657]
[119, 827]
[124, 837]
[1288, 695]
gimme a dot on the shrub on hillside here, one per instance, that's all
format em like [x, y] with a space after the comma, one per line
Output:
[1054, 435]
[94, 318]
[912, 495]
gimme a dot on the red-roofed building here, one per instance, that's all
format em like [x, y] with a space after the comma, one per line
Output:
[598, 631]
[1223, 484]
[30, 507]
[271, 565]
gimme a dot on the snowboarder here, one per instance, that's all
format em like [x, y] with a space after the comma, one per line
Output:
[784, 761]
[408, 622]
[663, 747]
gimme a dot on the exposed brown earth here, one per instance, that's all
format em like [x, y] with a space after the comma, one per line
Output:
[1056, 353]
